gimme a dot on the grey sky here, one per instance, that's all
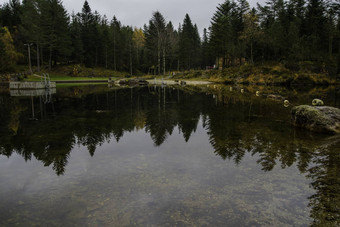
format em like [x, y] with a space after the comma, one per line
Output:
[137, 12]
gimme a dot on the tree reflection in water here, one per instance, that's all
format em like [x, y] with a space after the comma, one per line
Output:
[235, 123]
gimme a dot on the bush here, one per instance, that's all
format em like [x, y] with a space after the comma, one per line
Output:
[292, 66]
[309, 66]
[332, 68]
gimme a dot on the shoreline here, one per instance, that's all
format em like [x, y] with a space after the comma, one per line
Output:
[178, 82]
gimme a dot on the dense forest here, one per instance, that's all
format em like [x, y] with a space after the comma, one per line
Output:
[280, 31]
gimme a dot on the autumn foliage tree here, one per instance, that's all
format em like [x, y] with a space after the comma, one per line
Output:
[251, 32]
[9, 56]
[138, 39]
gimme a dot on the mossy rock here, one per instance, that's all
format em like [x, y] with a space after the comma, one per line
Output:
[323, 119]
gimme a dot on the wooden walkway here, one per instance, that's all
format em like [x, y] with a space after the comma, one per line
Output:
[33, 93]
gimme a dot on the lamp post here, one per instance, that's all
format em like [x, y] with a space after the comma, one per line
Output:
[29, 55]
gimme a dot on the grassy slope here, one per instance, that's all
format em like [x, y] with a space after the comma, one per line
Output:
[77, 73]
[264, 74]
[55, 77]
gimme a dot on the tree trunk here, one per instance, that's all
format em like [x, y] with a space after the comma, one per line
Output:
[163, 60]
[106, 57]
[159, 57]
[251, 52]
[114, 50]
[38, 57]
[330, 45]
[137, 55]
[50, 60]
[29, 58]
[130, 59]
[96, 60]
[42, 57]
[190, 62]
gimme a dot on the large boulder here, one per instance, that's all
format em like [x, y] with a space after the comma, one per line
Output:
[324, 119]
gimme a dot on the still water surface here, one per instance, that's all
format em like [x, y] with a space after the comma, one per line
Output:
[171, 156]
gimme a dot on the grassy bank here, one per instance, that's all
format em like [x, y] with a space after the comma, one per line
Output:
[264, 74]
[55, 77]
[76, 73]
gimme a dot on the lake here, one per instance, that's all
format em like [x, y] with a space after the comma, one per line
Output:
[211, 155]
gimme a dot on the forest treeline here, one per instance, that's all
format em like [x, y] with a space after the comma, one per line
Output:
[288, 32]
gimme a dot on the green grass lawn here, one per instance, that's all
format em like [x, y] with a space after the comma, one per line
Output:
[54, 77]
[79, 84]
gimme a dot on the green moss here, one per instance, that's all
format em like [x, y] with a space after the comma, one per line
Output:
[318, 119]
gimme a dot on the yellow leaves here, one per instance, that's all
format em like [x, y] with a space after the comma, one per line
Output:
[6, 37]
[251, 27]
[140, 120]
[138, 37]
[9, 55]
[14, 123]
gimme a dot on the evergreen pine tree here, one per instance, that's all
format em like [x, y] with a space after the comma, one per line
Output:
[155, 41]
[77, 55]
[189, 44]
[55, 31]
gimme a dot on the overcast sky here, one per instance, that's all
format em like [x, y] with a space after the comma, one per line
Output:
[138, 12]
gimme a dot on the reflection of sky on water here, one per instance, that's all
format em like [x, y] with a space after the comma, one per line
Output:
[220, 162]
[133, 180]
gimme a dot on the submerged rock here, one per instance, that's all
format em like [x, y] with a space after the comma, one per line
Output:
[286, 103]
[317, 102]
[324, 119]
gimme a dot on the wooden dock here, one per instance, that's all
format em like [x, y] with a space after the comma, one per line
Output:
[32, 92]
